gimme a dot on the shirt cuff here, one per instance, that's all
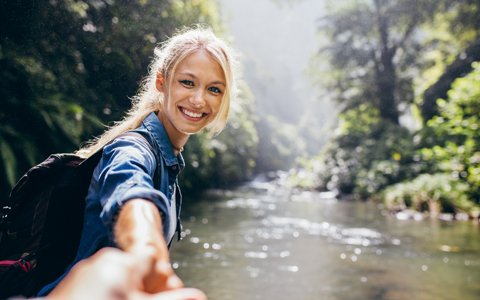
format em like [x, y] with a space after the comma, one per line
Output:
[110, 212]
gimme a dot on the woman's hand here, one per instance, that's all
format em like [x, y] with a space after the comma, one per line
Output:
[139, 231]
[112, 274]
[159, 274]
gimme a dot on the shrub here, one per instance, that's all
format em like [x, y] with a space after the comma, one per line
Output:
[440, 192]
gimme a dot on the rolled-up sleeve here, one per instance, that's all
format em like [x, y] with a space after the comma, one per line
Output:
[127, 169]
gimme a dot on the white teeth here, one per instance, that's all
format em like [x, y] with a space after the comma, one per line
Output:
[191, 113]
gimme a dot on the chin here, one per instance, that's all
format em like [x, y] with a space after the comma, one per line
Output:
[191, 131]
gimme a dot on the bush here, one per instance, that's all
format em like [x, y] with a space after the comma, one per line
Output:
[366, 155]
[454, 134]
[436, 193]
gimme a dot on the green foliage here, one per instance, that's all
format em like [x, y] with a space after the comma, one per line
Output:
[455, 135]
[375, 50]
[439, 192]
[281, 146]
[451, 147]
[447, 35]
[452, 43]
[366, 155]
[36, 117]
[369, 155]
[371, 49]
[358, 122]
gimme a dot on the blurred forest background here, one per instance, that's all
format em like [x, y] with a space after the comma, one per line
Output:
[399, 81]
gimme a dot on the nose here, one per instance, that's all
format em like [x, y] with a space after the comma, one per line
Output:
[197, 99]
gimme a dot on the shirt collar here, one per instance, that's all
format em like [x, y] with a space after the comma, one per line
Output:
[157, 130]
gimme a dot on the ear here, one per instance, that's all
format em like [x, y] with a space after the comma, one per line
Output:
[159, 82]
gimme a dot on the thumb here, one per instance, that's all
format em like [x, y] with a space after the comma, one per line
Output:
[172, 280]
[144, 260]
[180, 294]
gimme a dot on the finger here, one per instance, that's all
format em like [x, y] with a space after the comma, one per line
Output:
[179, 294]
[174, 282]
[122, 269]
[145, 260]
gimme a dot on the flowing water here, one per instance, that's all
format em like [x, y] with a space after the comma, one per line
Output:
[263, 242]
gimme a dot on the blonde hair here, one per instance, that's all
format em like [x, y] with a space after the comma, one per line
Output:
[167, 56]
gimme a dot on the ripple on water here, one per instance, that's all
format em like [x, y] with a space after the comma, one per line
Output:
[309, 196]
[288, 268]
[285, 227]
[254, 204]
[259, 255]
[279, 227]
[360, 237]
[242, 203]
[253, 272]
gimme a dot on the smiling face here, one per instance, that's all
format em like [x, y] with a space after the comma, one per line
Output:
[192, 97]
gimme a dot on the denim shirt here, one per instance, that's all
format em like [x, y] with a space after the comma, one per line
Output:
[130, 168]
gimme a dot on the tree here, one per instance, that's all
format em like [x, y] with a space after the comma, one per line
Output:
[372, 46]
[375, 51]
[451, 183]
[462, 25]
[371, 51]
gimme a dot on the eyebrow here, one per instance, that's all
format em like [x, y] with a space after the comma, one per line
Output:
[195, 77]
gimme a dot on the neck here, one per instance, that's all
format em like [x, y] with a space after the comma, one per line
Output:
[177, 139]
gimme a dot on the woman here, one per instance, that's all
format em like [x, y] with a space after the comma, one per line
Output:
[133, 201]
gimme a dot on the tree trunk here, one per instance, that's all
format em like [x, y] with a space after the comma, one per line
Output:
[386, 84]
[385, 70]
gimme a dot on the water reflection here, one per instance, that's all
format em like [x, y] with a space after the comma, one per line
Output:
[261, 241]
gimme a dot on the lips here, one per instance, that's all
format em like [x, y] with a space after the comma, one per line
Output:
[192, 114]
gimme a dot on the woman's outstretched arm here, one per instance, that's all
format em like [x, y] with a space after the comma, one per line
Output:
[138, 230]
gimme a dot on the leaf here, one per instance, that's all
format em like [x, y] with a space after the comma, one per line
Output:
[9, 162]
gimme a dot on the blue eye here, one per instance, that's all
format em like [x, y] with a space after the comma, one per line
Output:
[215, 90]
[186, 82]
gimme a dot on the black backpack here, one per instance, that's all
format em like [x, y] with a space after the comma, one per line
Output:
[41, 223]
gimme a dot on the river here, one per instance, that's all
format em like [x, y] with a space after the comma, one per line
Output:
[261, 241]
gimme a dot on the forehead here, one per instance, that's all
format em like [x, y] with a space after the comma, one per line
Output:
[201, 64]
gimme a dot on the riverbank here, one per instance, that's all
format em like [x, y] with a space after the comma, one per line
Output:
[406, 201]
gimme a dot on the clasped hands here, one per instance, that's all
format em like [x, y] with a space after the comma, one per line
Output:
[116, 274]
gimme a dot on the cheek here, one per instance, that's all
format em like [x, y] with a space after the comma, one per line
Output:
[170, 99]
[216, 103]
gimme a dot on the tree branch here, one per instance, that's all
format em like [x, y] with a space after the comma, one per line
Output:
[459, 68]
